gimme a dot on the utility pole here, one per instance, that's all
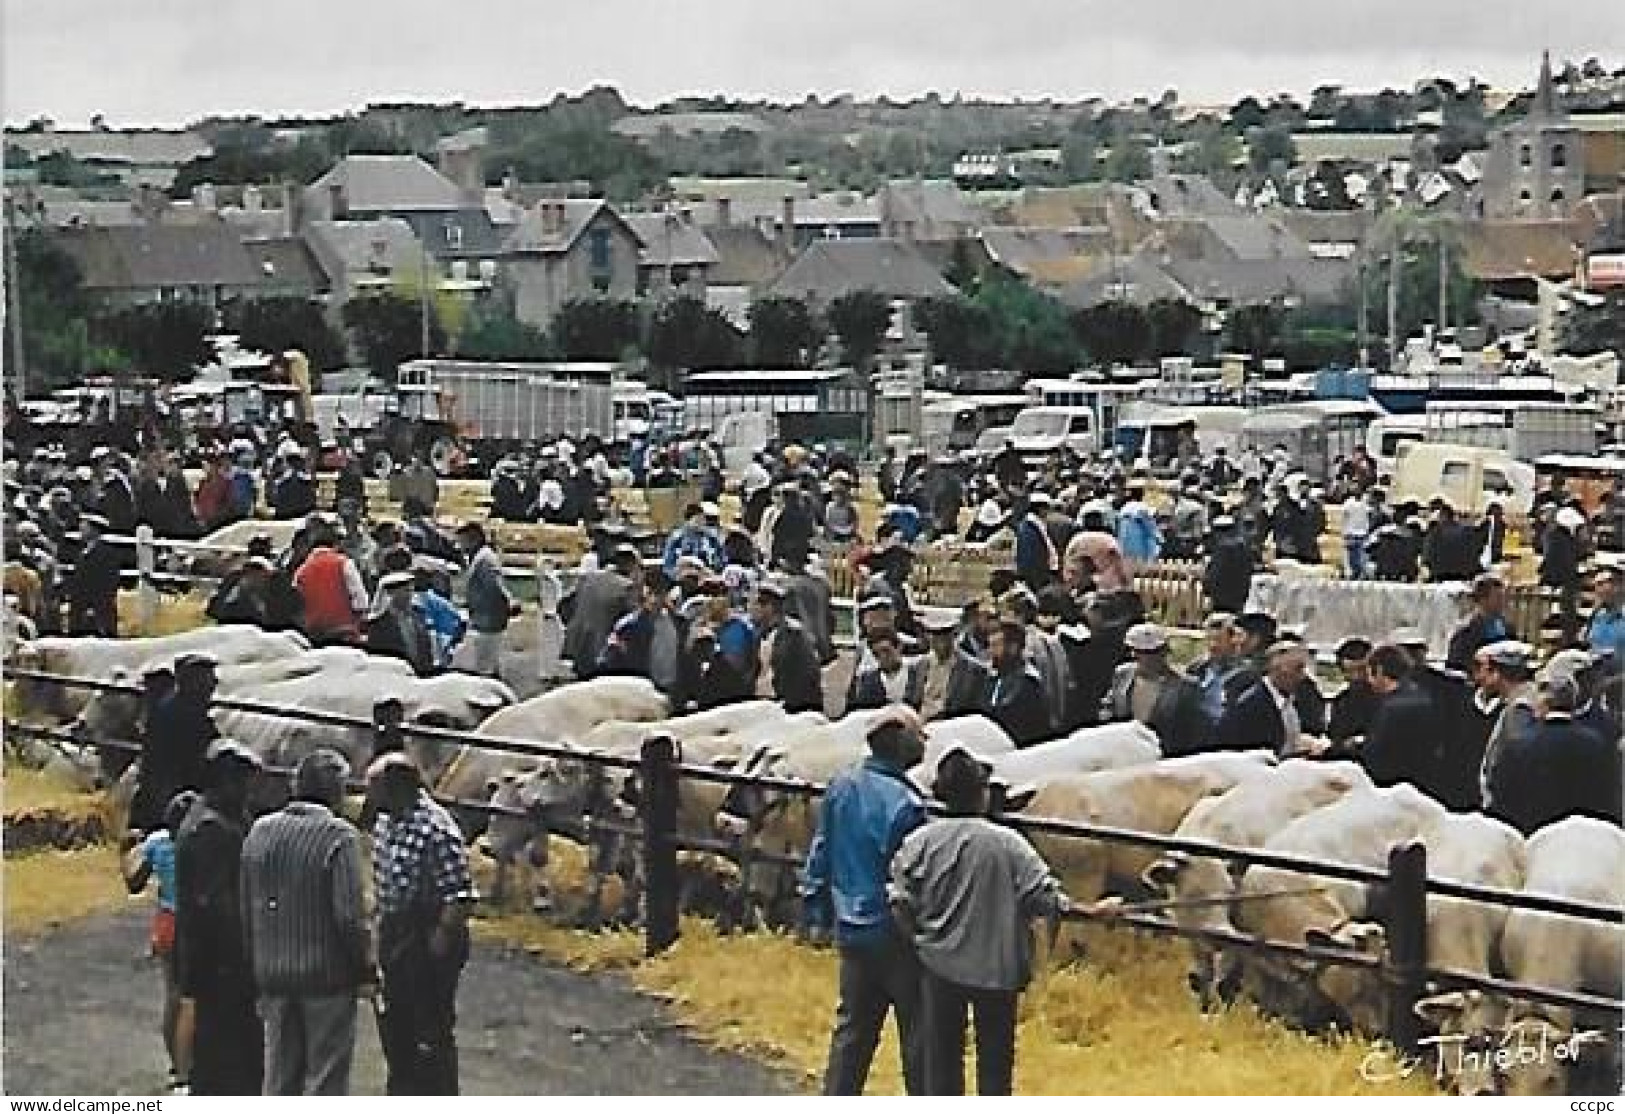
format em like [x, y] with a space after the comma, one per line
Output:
[1394, 266]
[1444, 279]
[14, 316]
[1361, 341]
[423, 299]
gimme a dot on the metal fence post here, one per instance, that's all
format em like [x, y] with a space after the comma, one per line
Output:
[1406, 905]
[659, 813]
[146, 563]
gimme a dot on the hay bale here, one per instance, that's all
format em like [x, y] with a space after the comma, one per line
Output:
[43, 891]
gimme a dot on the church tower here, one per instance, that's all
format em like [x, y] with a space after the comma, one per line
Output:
[1536, 168]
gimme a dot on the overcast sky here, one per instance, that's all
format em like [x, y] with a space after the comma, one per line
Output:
[169, 61]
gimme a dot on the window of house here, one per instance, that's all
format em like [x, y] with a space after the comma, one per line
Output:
[598, 249]
[1560, 156]
[600, 283]
[1523, 197]
[1557, 197]
[643, 281]
[1525, 156]
[454, 236]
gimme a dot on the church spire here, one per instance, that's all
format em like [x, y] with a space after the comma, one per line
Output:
[1546, 105]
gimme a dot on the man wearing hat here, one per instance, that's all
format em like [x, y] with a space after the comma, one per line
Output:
[178, 732]
[212, 968]
[864, 815]
[422, 892]
[789, 672]
[1148, 691]
[953, 677]
[808, 599]
[1605, 629]
[840, 513]
[115, 498]
[647, 641]
[1212, 672]
[1352, 710]
[966, 889]
[1560, 554]
[889, 677]
[92, 586]
[395, 629]
[1505, 678]
[1560, 768]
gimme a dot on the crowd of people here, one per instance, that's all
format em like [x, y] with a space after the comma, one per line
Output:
[261, 918]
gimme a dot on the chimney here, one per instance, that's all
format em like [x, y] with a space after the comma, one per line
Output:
[149, 202]
[510, 186]
[787, 227]
[725, 211]
[338, 205]
[293, 208]
[252, 201]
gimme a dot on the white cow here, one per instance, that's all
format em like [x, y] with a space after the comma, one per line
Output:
[1245, 817]
[1579, 859]
[1091, 750]
[102, 659]
[1358, 829]
[1151, 798]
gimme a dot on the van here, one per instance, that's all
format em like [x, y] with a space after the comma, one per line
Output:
[1041, 430]
[1316, 435]
[1469, 478]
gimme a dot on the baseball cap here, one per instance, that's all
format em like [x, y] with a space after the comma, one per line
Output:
[1146, 638]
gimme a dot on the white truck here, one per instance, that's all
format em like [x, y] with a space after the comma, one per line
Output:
[498, 407]
[1039, 431]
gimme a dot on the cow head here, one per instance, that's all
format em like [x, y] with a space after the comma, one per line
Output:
[1356, 991]
[509, 833]
[110, 716]
[1464, 1023]
[1161, 878]
[746, 808]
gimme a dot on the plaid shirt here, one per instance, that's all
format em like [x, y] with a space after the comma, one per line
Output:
[420, 860]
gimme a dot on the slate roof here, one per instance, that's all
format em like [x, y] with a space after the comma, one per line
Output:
[828, 269]
[532, 235]
[1133, 278]
[1260, 280]
[148, 256]
[384, 184]
[669, 240]
[1044, 253]
[348, 247]
[745, 256]
[288, 263]
[928, 202]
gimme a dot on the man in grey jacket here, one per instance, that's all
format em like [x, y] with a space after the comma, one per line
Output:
[489, 604]
[966, 890]
[1149, 691]
[306, 931]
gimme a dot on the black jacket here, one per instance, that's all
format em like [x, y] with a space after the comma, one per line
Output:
[1451, 551]
[1352, 711]
[95, 575]
[1561, 769]
[211, 958]
[1251, 722]
[294, 496]
[798, 682]
[117, 504]
[1403, 742]
[405, 637]
[1177, 717]
[1016, 702]
[708, 682]
[173, 757]
[1476, 633]
[1462, 732]
[1560, 558]
[1228, 577]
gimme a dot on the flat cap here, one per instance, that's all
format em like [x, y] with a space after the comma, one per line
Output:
[1146, 637]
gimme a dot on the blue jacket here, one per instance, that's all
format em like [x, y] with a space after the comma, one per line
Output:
[862, 820]
[685, 542]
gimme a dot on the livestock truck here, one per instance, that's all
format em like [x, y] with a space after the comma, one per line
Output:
[495, 408]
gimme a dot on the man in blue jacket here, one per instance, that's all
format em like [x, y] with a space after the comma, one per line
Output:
[865, 814]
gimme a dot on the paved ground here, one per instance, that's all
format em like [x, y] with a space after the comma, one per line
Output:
[82, 1010]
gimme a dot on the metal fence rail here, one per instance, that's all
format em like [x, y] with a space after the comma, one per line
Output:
[1405, 884]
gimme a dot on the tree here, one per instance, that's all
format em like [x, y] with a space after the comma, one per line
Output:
[784, 332]
[277, 324]
[166, 340]
[1130, 158]
[962, 272]
[1031, 331]
[595, 329]
[1113, 332]
[1247, 113]
[1417, 294]
[685, 334]
[1327, 191]
[1080, 155]
[860, 319]
[388, 329]
[1589, 329]
[1270, 146]
[1173, 327]
[1255, 330]
[498, 335]
[962, 333]
[53, 316]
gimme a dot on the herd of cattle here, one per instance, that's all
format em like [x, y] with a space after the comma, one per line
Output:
[1109, 776]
